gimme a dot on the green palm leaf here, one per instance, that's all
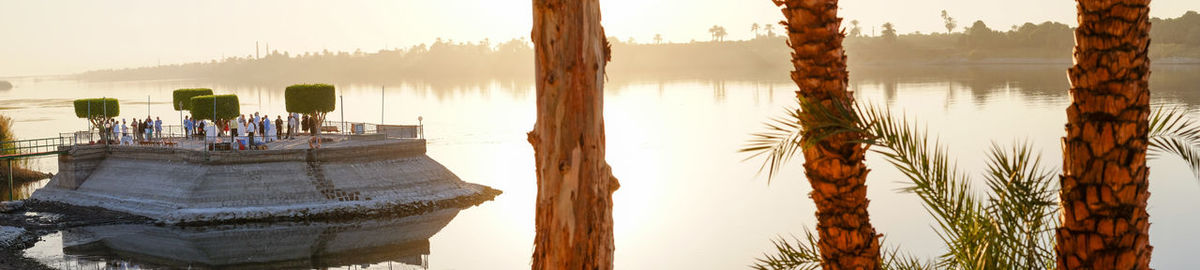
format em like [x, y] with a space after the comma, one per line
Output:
[803, 254]
[1011, 228]
[1172, 132]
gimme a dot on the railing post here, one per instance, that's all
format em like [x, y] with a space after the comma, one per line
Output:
[10, 180]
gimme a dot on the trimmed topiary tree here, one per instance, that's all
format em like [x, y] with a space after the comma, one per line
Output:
[97, 111]
[182, 98]
[315, 100]
[225, 109]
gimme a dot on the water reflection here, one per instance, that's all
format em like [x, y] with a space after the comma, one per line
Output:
[673, 142]
[384, 243]
[983, 83]
[21, 191]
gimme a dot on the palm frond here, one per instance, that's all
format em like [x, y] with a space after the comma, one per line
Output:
[944, 191]
[798, 254]
[803, 253]
[894, 259]
[778, 143]
[799, 128]
[1172, 132]
[1023, 205]
[1012, 228]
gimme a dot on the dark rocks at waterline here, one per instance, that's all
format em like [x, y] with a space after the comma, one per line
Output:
[36, 220]
[5, 85]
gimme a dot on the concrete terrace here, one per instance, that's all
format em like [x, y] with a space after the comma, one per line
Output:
[352, 175]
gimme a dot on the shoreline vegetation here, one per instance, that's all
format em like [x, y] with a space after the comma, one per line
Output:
[20, 173]
[1176, 41]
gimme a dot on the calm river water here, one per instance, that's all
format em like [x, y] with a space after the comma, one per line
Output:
[687, 199]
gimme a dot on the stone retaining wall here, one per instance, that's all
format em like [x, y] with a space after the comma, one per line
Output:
[185, 186]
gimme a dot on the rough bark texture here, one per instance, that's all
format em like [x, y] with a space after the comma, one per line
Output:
[575, 184]
[834, 166]
[1104, 222]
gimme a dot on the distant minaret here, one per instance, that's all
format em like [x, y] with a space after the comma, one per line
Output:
[256, 50]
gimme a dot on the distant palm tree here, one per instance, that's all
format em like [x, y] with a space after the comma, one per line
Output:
[855, 31]
[1104, 180]
[770, 29]
[721, 33]
[950, 23]
[889, 32]
[658, 38]
[713, 31]
[754, 28]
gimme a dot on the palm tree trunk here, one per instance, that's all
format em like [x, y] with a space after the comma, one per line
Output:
[834, 165]
[575, 184]
[1104, 222]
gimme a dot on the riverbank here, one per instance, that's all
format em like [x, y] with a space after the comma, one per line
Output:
[36, 220]
[22, 175]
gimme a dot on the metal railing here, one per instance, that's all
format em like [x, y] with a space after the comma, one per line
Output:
[32, 147]
[362, 128]
[164, 138]
[172, 135]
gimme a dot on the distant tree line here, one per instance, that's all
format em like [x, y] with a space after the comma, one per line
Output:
[443, 58]
[1046, 42]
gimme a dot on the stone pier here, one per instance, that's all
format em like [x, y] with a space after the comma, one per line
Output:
[189, 185]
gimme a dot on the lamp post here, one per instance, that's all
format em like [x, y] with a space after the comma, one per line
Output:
[104, 104]
[343, 129]
[181, 127]
[381, 107]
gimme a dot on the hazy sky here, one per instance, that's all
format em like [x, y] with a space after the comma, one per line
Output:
[67, 36]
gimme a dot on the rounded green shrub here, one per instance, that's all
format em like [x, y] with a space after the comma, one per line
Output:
[97, 111]
[227, 107]
[310, 98]
[101, 108]
[182, 98]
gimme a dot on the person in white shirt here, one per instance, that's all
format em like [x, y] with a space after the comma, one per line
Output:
[251, 127]
[116, 131]
[241, 125]
[238, 125]
[210, 131]
[293, 123]
[254, 118]
[125, 139]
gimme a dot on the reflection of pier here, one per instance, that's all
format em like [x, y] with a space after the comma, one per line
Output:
[259, 246]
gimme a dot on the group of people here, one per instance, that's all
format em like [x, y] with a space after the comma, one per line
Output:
[142, 130]
[254, 128]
